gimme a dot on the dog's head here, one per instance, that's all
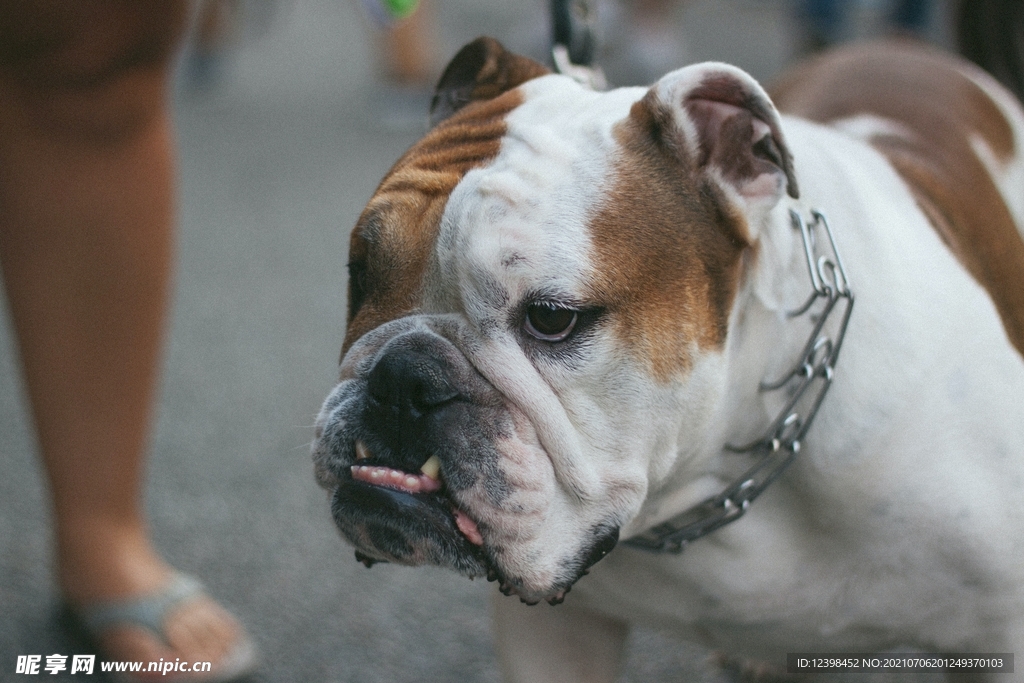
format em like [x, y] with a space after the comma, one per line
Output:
[539, 296]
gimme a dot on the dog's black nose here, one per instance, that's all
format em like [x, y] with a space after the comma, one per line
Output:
[409, 384]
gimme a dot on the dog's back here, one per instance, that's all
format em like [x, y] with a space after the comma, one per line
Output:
[954, 135]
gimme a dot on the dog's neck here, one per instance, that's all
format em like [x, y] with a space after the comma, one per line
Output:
[796, 294]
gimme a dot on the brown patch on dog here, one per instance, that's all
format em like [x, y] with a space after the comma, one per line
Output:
[924, 92]
[391, 244]
[668, 251]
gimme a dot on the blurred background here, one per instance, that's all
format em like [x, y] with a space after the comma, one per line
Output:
[288, 114]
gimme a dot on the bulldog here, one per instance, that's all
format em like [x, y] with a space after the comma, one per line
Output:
[569, 310]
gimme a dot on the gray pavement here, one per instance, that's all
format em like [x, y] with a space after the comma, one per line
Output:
[276, 163]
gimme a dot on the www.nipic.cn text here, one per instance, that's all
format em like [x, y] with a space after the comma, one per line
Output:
[86, 664]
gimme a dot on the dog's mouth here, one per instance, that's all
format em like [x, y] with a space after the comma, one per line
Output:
[410, 518]
[414, 484]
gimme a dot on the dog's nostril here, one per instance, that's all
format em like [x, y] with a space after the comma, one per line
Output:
[410, 383]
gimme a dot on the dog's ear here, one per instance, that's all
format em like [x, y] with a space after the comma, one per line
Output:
[722, 121]
[481, 70]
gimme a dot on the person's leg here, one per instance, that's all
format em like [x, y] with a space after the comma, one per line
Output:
[86, 218]
[408, 48]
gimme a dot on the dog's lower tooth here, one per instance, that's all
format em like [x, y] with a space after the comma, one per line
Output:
[432, 467]
[362, 452]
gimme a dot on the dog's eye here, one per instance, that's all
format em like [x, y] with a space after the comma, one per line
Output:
[549, 322]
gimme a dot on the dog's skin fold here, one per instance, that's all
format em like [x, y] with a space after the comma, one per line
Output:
[562, 303]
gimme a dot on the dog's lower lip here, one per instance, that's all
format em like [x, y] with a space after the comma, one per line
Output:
[413, 484]
[397, 480]
[387, 524]
[474, 559]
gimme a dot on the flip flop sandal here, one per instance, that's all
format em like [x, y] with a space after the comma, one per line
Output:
[149, 612]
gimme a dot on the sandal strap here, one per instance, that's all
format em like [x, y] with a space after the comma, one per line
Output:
[148, 611]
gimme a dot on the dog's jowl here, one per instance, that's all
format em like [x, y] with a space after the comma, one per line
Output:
[570, 310]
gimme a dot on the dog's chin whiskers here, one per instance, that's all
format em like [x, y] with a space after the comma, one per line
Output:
[307, 446]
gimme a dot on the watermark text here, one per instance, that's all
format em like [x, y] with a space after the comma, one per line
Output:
[32, 665]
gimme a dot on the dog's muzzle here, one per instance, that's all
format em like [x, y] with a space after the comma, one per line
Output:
[398, 442]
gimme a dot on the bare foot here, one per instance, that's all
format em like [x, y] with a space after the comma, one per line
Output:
[121, 567]
[199, 630]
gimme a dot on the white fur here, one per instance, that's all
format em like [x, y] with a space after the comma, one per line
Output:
[610, 435]
[899, 525]
[498, 245]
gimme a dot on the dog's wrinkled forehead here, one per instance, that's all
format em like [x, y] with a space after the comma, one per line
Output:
[472, 198]
[518, 228]
[393, 240]
[531, 187]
